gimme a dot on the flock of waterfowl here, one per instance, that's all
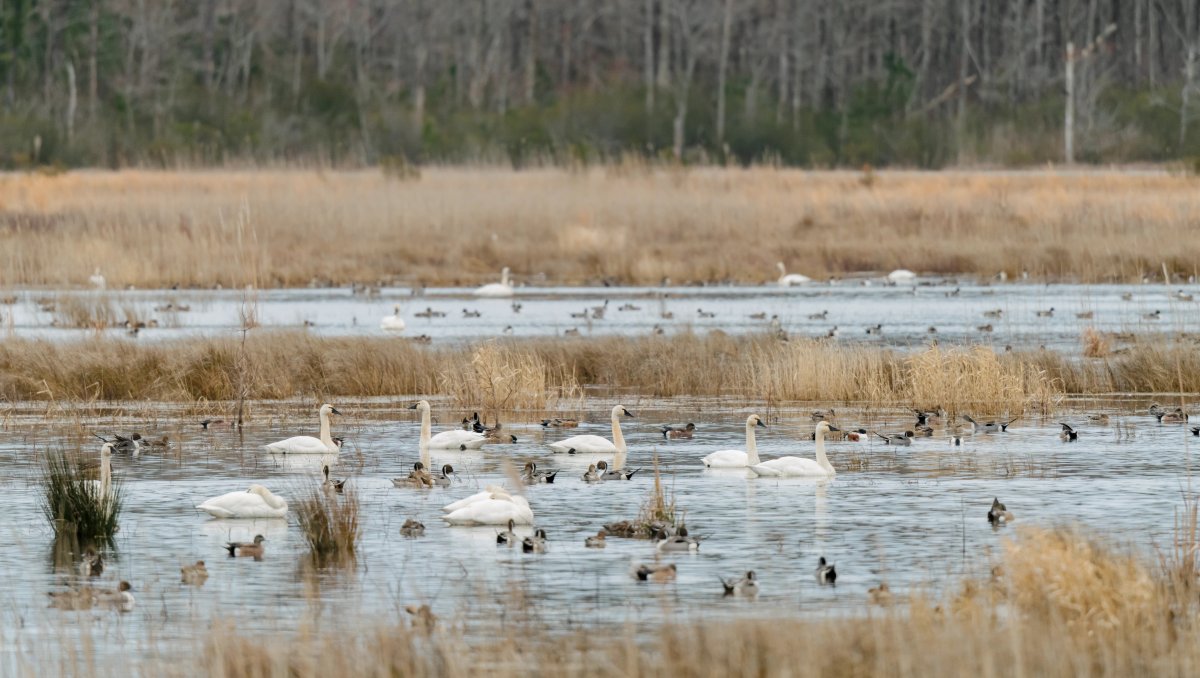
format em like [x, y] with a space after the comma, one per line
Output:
[508, 508]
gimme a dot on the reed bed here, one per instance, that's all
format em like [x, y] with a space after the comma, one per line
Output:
[535, 374]
[75, 503]
[1058, 604]
[331, 524]
[627, 224]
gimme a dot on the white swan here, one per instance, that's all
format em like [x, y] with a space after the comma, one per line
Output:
[500, 289]
[489, 508]
[97, 280]
[256, 502]
[800, 466]
[487, 493]
[456, 439]
[590, 444]
[393, 323]
[738, 458]
[309, 444]
[104, 485]
[901, 275]
[788, 279]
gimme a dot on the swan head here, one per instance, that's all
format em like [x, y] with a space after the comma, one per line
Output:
[781, 267]
[420, 405]
[755, 420]
[620, 410]
[328, 409]
[824, 427]
[396, 309]
[106, 450]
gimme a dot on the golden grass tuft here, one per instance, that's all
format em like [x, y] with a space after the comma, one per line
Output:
[331, 525]
[1095, 344]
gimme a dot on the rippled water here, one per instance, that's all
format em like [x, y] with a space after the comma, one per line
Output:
[905, 312]
[913, 517]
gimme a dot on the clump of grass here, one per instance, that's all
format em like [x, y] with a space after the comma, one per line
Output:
[85, 311]
[330, 523]
[499, 377]
[78, 509]
[1095, 344]
[973, 379]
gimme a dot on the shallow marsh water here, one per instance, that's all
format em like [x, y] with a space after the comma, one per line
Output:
[914, 517]
[905, 312]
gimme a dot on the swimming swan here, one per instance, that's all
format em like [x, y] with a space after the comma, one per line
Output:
[497, 290]
[309, 444]
[738, 458]
[393, 323]
[800, 466]
[256, 502]
[496, 509]
[456, 439]
[788, 279]
[901, 275]
[590, 444]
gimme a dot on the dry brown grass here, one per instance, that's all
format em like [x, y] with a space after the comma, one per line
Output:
[461, 225]
[1062, 606]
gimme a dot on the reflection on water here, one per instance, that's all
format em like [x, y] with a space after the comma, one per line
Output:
[955, 310]
[911, 516]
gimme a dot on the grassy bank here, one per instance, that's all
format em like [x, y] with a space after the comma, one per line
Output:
[629, 224]
[532, 374]
[1058, 604]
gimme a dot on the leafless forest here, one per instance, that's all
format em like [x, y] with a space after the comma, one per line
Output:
[888, 82]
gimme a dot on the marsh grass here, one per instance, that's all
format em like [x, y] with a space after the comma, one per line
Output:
[544, 373]
[72, 501]
[1059, 604]
[632, 226]
[85, 311]
[330, 523]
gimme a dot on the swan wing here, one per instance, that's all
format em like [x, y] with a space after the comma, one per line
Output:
[300, 445]
[585, 444]
[392, 322]
[240, 505]
[453, 440]
[790, 466]
[494, 290]
[726, 459]
[461, 503]
[491, 512]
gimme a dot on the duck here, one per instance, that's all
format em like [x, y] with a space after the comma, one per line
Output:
[832, 333]
[508, 537]
[857, 435]
[418, 477]
[677, 432]
[255, 502]
[747, 586]
[880, 595]
[593, 444]
[493, 506]
[467, 313]
[598, 541]
[875, 329]
[923, 431]
[985, 328]
[121, 599]
[821, 415]
[535, 543]
[903, 439]
[790, 279]
[1068, 434]
[826, 572]
[800, 466]
[532, 476]
[1154, 315]
[1048, 313]
[331, 485]
[204, 424]
[393, 322]
[1196, 430]
[92, 564]
[999, 513]
[131, 445]
[1101, 418]
[818, 316]
[1176, 416]
[614, 473]
[705, 314]
[412, 528]
[599, 311]
[308, 444]
[1085, 315]
[243, 549]
[629, 307]
[571, 332]
[1156, 411]
[498, 290]
[445, 477]
[738, 458]
[560, 423]
[679, 542]
[446, 440]
[758, 316]
[592, 475]
[193, 575]
[655, 572]
[989, 427]
[423, 618]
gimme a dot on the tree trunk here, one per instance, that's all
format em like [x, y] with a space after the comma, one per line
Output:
[210, 21]
[1069, 116]
[648, 57]
[419, 88]
[963, 65]
[93, 49]
[530, 83]
[664, 43]
[1189, 73]
[71, 102]
[722, 67]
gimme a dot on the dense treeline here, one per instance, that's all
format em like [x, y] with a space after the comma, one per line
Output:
[811, 82]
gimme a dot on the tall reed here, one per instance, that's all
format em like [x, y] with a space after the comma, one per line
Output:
[330, 522]
[75, 502]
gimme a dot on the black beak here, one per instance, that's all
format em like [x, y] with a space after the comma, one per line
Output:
[628, 413]
[760, 423]
[413, 406]
[834, 428]
[335, 410]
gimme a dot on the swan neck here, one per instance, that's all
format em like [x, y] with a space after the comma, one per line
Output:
[751, 447]
[105, 474]
[325, 437]
[821, 458]
[618, 439]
